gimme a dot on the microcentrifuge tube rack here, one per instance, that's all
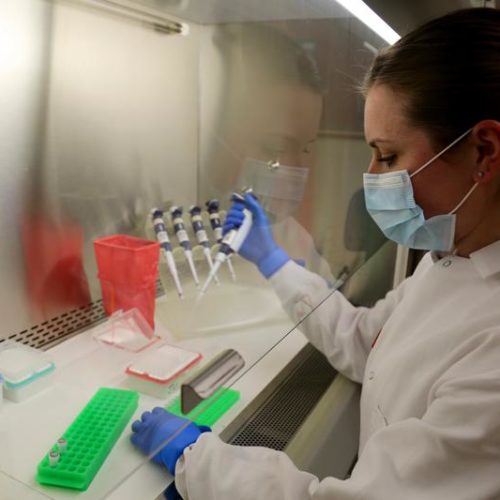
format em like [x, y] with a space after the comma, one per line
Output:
[88, 440]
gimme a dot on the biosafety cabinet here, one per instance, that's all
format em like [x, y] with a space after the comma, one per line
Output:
[111, 108]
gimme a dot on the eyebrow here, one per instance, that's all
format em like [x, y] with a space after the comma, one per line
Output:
[374, 142]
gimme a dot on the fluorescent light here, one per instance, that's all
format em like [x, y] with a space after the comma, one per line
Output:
[359, 9]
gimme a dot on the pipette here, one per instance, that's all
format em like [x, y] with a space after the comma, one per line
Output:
[231, 242]
[164, 241]
[215, 223]
[182, 236]
[201, 235]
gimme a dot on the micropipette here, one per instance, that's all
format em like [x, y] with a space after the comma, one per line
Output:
[182, 236]
[215, 223]
[162, 237]
[231, 242]
[201, 235]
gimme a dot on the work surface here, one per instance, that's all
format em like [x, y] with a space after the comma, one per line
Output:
[28, 429]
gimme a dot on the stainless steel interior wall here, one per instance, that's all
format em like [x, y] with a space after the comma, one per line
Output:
[99, 123]
[25, 41]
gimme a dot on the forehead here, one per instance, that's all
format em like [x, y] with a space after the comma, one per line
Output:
[281, 109]
[385, 114]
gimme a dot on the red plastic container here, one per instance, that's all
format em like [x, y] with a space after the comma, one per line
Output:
[128, 270]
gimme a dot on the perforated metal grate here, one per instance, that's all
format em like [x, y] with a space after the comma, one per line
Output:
[65, 324]
[61, 326]
[279, 417]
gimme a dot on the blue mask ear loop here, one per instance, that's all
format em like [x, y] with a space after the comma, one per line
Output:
[471, 190]
[442, 152]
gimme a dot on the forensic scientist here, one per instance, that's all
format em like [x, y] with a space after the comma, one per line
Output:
[428, 354]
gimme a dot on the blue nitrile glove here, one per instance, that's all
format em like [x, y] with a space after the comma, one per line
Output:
[259, 246]
[158, 427]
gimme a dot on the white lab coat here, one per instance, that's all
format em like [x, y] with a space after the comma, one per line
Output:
[430, 404]
[298, 243]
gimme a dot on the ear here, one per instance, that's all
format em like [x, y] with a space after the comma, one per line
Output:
[486, 137]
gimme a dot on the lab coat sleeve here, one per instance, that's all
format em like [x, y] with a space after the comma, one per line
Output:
[452, 452]
[342, 332]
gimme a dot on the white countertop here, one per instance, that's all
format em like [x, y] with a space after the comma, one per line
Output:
[28, 429]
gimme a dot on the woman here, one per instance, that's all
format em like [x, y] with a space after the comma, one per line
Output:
[428, 354]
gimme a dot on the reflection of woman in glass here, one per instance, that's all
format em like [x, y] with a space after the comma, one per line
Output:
[268, 122]
[428, 354]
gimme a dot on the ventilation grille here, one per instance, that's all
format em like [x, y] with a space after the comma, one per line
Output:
[278, 418]
[61, 326]
[66, 324]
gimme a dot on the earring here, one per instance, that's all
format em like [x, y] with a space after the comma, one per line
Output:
[480, 175]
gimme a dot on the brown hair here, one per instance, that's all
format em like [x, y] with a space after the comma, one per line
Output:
[449, 69]
[281, 57]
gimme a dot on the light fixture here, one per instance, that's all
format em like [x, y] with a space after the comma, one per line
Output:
[131, 10]
[367, 16]
[483, 3]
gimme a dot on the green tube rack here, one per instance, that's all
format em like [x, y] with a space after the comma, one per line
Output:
[89, 439]
[210, 410]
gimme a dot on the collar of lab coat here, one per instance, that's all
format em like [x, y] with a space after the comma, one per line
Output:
[486, 260]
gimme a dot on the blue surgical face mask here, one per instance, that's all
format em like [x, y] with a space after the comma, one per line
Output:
[390, 201]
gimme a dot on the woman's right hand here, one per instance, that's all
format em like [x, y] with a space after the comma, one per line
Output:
[259, 246]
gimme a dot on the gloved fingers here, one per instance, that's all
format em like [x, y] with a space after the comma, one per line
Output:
[252, 203]
[231, 224]
[137, 426]
[234, 220]
[235, 212]
[235, 215]
[146, 416]
[158, 410]
[136, 440]
[255, 207]
[204, 428]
